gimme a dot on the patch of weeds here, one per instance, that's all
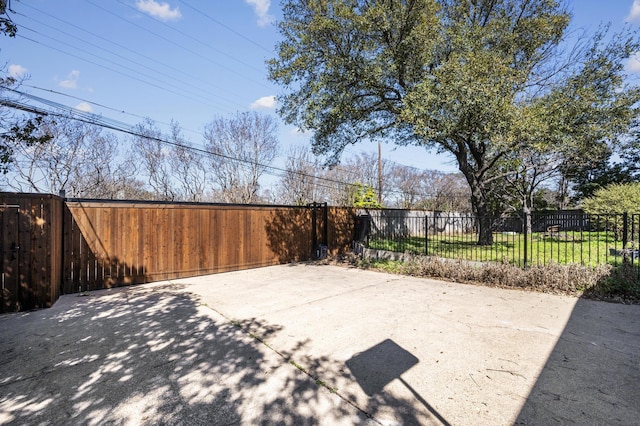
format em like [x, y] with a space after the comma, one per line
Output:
[386, 265]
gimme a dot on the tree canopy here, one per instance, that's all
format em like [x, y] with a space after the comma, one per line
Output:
[476, 79]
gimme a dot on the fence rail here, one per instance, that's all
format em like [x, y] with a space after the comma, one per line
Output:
[536, 239]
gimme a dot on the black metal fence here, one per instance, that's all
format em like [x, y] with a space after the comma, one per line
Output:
[563, 237]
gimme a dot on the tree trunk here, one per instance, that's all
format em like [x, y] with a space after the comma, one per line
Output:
[526, 212]
[562, 197]
[484, 220]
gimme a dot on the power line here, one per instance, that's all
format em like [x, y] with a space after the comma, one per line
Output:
[270, 51]
[118, 72]
[168, 40]
[125, 128]
[170, 78]
[124, 47]
[105, 106]
[197, 40]
[167, 87]
[118, 126]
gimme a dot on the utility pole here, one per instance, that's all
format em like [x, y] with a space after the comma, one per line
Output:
[379, 174]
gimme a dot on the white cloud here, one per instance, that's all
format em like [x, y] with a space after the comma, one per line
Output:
[265, 102]
[72, 80]
[634, 13]
[161, 11]
[83, 106]
[261, 9]
[633, 64]
[17, 70]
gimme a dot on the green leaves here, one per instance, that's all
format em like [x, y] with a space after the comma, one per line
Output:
[615, 198]
[346, 67]
[364, 196]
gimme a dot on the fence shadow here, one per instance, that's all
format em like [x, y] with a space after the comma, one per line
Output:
[88, 263]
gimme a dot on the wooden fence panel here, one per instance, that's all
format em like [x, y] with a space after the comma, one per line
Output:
[143, 242]
[49, 246]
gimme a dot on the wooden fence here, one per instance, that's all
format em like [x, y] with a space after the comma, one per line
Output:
[52, 246]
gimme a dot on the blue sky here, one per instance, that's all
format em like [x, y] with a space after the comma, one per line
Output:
[186, 60]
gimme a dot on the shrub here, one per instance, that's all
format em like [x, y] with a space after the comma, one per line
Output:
[614, 198]
[610, 201]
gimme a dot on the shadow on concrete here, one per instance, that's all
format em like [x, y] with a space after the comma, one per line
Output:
[145, 355]
[383, 363]
[380, 365]
[592, 376]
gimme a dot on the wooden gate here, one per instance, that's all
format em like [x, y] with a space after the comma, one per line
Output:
[30, 250]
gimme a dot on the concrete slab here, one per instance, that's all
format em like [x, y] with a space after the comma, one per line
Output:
[317, 344]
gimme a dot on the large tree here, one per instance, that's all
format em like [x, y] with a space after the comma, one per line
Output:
[477, 79]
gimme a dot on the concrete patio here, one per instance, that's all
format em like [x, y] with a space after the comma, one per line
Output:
[317, 344]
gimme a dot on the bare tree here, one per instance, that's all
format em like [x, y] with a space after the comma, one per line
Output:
[335, 185]
[299, 185]
[413, 188]
[81, 159]
[242, 149]
[154, 154]
[339, 183]
[99, 173]
[188, 167]
[406, 186]
[446, 192]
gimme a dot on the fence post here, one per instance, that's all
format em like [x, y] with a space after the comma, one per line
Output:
[525, 226]
[426, 234]
[325, 230]
[314, 230]
[625, 229]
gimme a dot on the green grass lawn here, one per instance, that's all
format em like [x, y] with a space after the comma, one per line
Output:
[586, 248]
